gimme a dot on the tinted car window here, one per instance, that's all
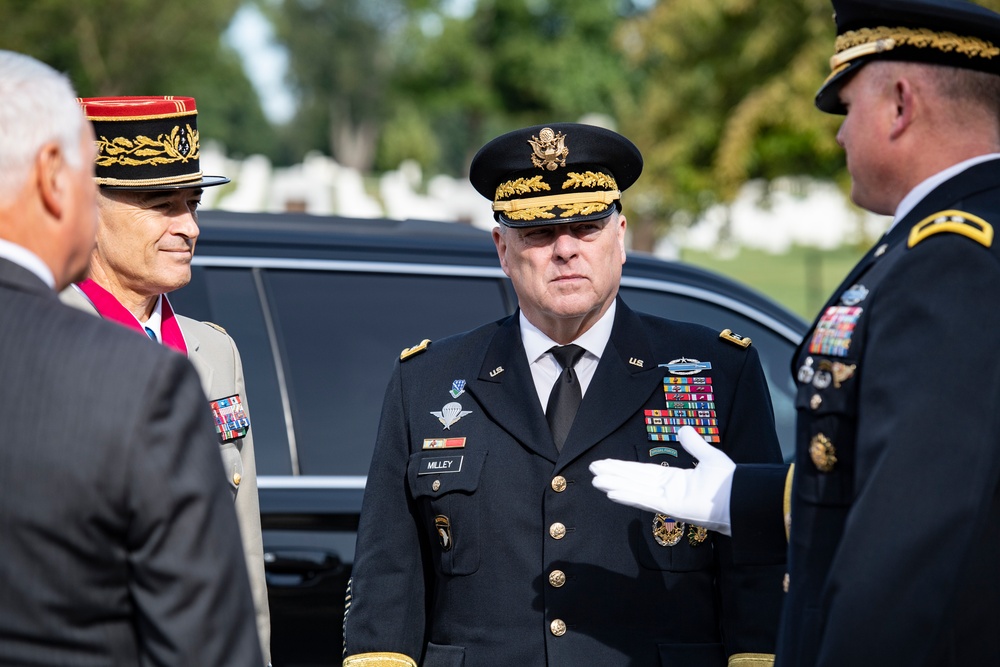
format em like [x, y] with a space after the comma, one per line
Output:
[340, 333]
[230, 298]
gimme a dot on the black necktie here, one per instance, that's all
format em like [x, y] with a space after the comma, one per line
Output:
[565, 398]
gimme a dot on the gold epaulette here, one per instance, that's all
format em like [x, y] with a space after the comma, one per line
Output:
[751, 660]
[215, 326]
[735, 338]
[379, 660]
[416, 349]
[954, 222]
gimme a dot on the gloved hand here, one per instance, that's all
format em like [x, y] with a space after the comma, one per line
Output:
[698, 495]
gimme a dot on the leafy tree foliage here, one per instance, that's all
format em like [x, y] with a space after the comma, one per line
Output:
[127, 47]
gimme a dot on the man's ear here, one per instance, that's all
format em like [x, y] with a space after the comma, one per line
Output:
[500, 240]
[622, 226]
[50, 173]
[905, 100]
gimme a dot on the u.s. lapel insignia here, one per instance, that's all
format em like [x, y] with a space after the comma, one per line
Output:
[667, 531]
[496, 371]
[635, 362]
[443, 527]
[457, 388]
[450, 414]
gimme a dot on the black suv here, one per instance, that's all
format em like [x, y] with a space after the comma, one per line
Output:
[321, 308]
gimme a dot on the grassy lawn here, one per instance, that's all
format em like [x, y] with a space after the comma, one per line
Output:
[801, 279]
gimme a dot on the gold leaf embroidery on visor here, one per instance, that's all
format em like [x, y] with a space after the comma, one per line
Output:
[920, 38]
[520, 186]
[589, 179]
[178, 146]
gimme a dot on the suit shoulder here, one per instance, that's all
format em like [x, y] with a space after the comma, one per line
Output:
[952, 222]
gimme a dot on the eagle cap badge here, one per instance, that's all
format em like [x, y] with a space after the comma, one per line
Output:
[549, 149]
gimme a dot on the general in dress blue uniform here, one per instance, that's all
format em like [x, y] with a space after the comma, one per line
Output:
[482, 541]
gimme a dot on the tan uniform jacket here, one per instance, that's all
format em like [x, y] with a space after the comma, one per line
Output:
[214, 355]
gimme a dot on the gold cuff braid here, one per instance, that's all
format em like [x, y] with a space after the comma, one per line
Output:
[751, 660]
[379, 660]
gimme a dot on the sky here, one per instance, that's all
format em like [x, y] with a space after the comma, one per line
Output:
[264, 61]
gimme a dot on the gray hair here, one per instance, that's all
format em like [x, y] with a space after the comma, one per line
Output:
[37, 105]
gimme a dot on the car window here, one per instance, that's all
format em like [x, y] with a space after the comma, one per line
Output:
[775, 351]
[341, 332]
[229, 297]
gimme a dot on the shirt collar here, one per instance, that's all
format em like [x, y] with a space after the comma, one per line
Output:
[155, 321]
[917, 194]
[594, 340]
[28, 260]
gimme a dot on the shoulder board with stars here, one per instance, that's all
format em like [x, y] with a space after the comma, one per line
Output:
[416, 349]
[735, 338]
[953, 222]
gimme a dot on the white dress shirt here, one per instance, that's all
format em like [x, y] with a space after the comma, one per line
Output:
[544, 367]
[27, 259]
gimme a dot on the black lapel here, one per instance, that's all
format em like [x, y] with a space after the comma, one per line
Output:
[620, 385]
[506, 391]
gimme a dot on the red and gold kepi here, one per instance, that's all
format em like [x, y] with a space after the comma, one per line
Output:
[954, 33]
[147, 143]
[555, 173]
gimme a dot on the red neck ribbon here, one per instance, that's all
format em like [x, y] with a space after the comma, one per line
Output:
[110, 309]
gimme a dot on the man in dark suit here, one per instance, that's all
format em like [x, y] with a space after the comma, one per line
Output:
[481, 540]
[117, 547]
[895, 496]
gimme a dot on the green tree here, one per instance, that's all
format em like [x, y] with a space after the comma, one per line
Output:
[340, 61]
[134, 47]
[728, 98]
[510, 63]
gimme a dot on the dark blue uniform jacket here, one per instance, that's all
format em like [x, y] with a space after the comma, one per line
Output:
[501, 551]
[895, 531]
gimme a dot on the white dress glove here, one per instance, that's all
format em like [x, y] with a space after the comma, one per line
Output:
[698, 495]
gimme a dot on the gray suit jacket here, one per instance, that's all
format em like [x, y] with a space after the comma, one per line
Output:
[117, 547]
[215, 356]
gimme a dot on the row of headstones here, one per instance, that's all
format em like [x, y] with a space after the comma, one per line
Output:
[769, 217]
